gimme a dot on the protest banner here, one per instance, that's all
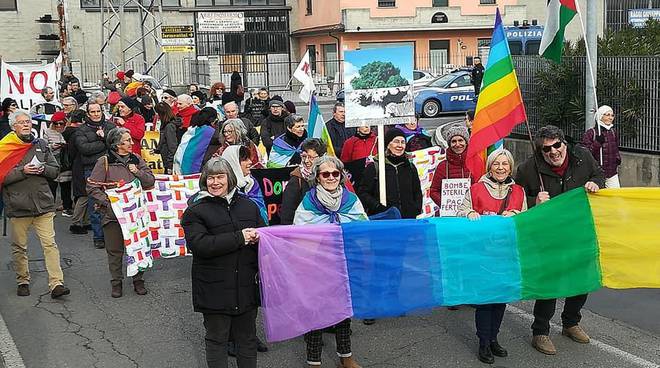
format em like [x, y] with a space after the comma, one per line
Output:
[272, 183]
[24, 83]
[426, 161]
[453, 193]
[149, 143]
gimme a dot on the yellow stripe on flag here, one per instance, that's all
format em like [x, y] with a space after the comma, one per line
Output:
[628, 231]
[497, 90]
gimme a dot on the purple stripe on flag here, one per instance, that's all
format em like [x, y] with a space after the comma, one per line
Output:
[304, 279]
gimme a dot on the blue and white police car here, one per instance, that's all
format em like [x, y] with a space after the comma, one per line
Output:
[452, 92]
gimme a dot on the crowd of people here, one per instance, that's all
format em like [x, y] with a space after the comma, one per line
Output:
[93, 143]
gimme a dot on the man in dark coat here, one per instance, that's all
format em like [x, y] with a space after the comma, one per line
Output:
[255, 106]
[273, 125]
[337, 129]
[477, 75]
[562, 168]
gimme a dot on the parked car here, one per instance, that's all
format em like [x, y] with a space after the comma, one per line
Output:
[452, 92]
[340, 95]
[422, 78]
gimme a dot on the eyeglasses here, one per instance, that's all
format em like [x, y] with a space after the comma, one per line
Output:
[326, 174]
[305, 157]
[225, 132]
[556, 145]
[59, 123]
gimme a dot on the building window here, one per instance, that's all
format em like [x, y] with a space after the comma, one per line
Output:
[440, 3]
[386, 3]
[201, 3]
[487, 2]
[8, 5]
[331, 61]
[312, 56]
[309, 7]
[87, 4]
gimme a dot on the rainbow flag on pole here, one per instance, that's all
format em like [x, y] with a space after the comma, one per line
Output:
[500, 106]
[316, 125]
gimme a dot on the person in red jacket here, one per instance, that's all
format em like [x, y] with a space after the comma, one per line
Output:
[496, 193]
[186, 110]
[131, 120]
[361, 145]
[453, 167]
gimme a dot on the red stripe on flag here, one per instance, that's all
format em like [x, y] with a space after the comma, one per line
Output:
[569, 4]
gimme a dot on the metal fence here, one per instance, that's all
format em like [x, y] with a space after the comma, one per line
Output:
[639, 71]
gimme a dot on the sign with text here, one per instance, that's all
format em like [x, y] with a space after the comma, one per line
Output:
[453, 193]
[272, 183]
[221, 22]
[150, 143]
[178, 38]
[638, 17]
[24, 83]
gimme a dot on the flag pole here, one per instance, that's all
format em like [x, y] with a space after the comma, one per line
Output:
[536, 161]
[381, 165]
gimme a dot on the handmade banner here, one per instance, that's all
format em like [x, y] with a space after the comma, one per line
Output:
[24, 83]
[453, 193]
[149, 144]
[378, 86]
[426, 161]
[315, 276]
[272, 183]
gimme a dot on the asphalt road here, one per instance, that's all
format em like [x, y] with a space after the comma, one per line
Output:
[90, 329]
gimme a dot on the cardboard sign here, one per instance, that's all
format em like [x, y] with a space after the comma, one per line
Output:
[148, 144]
[453, 193]
[272, 183]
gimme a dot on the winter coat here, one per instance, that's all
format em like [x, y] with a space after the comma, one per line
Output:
[295, 190]
[89, 146]
[338, 133]
[78, 185]
[56, 138]
[611, 154]
[358, 147]
[451, 168]
[169, 142]
[187, 114]
[254, 109]
[224, 269]
[29, 195]
[487, 197]
[401, 182]
[476, 77]
[581, 168]
[4, 126]
[136, 126]
[110, 170]
[271, 128]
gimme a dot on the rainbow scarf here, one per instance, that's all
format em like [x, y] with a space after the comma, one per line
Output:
[281, 153]
[12, 151]
[573, 244]
[311, 211]
[189, 157]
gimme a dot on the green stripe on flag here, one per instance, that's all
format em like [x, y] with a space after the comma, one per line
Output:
[554, 50]
[496, 72]
[558, 248]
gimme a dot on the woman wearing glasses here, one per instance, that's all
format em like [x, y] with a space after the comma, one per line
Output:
[603, 143]
[58, 146]
[328, 201]
[233, 132]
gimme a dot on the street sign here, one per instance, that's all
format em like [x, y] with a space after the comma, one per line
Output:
[178, 38]
[177, 31]
[178, 42]
[221, 22]
[179, 48]
[638, 17]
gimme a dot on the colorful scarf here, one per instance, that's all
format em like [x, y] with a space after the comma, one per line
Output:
[189, 157]
[12, 151]
[311, 211]
[281, 153]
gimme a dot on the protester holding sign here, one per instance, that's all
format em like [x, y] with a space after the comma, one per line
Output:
[452, 168]
[495, 194]
[220, 229]
[401, 180]
[112, 170]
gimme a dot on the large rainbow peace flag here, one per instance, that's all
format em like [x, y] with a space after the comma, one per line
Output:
[12, 151]
[315, 276]
[499, 105]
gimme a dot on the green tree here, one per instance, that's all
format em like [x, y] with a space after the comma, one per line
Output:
[378, 74]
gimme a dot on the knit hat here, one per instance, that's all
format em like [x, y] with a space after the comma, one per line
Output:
[199, 94]
[121, 75]
[114, 97]
[454, 130]
[276, 103]
[58, 116]
[290, 107]
[129, 102]
[391, 134]
[169, 92]
[277, 98]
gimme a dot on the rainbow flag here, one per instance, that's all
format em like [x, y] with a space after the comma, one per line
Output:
[314, 276]
[189, 156]
[12, 151]
[316, 125]
[500, 106]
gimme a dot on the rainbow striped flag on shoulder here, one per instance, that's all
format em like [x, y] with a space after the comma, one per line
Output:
[316, 125]
[500, 106]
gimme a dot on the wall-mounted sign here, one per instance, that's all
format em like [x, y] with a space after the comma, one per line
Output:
[638, 17]
[221, 22]
[178, 38]
[439, 17]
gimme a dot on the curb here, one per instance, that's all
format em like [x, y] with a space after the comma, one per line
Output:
[9, 354]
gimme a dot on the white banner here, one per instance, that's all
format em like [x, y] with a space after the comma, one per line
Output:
[221, 22]
[453, 193]
[23, 83]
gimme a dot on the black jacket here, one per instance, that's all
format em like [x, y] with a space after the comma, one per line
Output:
[295, 190]
[477, 76]
[272, 126]
[401, 182]
[168, 143]
[339, 133]
[4, 126]
[581, 168]
[88, 145]
[255, 109]
[224, 269]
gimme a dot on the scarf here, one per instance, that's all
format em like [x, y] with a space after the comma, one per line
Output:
[12, 151]
[305, 172]
[331, 201]
[312, 211]
[607, 127]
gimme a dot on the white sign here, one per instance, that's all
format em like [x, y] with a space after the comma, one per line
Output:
[24, 83]
[638, 17]
[178, 42]
[221, 22]
[453, 193]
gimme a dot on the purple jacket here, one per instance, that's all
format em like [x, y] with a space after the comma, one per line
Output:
[611, 155]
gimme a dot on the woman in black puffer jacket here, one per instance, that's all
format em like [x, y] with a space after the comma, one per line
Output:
[220, 231]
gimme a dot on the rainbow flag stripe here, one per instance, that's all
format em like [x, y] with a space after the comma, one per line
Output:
[499, 106]
[314, 276]
[12, 151]
[189, 156]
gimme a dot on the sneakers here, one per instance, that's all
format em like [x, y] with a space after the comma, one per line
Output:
[77, 229]
[67, 213]
[99, 243]
[138, 286]
[543, 344]
[59, 291]
[23, 290]
[576, 333]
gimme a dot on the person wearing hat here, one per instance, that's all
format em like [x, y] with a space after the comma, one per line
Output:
[417, 138]
[273, 125]
[169, 96]
[199, 99]
[9, 105]
[603, 143]
[131, 120]
[58, 147]
[453, 167]
[401, 180]
[495, 193]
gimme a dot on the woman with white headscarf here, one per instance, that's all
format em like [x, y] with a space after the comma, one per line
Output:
[240, 160]
[603, 143]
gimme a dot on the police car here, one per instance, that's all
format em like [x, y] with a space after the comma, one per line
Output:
[452, 92]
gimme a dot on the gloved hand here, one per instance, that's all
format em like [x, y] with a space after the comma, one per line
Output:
[600, 139]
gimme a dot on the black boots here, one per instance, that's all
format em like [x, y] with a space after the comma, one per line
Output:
[486, 355]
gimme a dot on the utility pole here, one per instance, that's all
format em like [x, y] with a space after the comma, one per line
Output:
[591, 60]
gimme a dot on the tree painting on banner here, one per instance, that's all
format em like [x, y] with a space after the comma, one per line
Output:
[379, 86]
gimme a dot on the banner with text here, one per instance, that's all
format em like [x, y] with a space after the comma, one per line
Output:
[272, 183]
[24, 83]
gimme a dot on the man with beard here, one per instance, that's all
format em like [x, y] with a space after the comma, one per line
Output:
[562, 167]
[273, 126]
[30, 203]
